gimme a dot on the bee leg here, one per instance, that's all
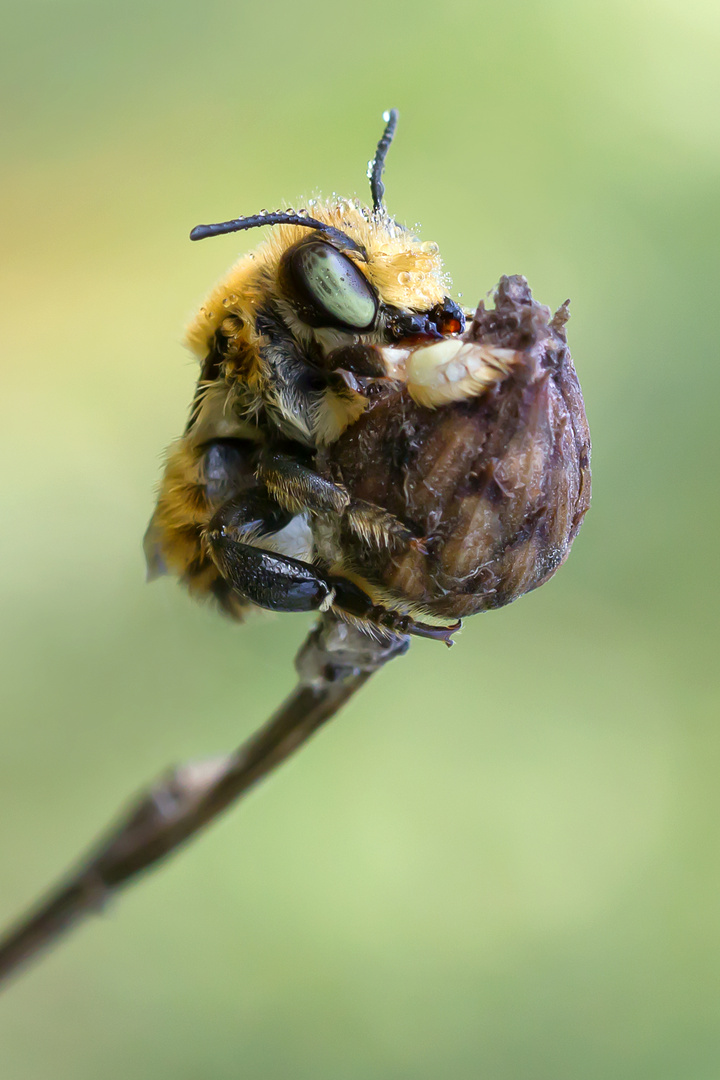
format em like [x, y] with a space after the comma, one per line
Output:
[266, 578]
[349, 599]
[278, 582]
[299, 488]
[302, 489]
[405, 625]
[379, 528]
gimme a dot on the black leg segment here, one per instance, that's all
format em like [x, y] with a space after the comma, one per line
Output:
[270, 580]
[275, 582]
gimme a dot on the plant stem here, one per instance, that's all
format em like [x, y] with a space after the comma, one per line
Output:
[334, 662]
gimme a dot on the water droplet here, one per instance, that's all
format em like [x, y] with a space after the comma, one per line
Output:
[430, 247]
[405, 278]
[230, 300]
[386, 115]
[370, 170]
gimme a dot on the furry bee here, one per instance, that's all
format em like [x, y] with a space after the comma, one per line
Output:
[294, 343]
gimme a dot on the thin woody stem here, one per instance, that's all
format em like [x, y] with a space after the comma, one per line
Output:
[335, 661]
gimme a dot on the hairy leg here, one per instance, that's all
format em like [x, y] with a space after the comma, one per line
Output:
[298, 488]
[280, 583]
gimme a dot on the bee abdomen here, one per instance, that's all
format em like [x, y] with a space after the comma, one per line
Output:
[196, 482]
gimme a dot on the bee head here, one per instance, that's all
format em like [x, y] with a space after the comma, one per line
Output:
[342, 287]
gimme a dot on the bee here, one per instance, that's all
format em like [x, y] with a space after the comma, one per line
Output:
[296, 343]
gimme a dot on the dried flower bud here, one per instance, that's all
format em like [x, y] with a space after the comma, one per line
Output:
[498, 484]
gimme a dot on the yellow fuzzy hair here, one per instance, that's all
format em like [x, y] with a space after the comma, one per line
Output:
[405, 272]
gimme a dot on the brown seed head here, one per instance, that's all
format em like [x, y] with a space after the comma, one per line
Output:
[498, 484]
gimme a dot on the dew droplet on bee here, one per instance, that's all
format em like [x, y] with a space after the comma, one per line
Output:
[429, 247]
[404, 278]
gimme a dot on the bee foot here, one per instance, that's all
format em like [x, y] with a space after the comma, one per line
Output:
[404, 624]
[437, 633]
[419, 543]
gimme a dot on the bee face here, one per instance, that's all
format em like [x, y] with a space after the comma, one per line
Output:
[370, 281]
[295, 343]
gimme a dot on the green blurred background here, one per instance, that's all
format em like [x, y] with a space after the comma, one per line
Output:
[501, 861]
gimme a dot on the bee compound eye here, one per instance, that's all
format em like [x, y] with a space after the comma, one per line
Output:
[327, 288]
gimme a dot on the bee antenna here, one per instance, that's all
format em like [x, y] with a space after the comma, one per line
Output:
[280, 217]
[376, 166]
